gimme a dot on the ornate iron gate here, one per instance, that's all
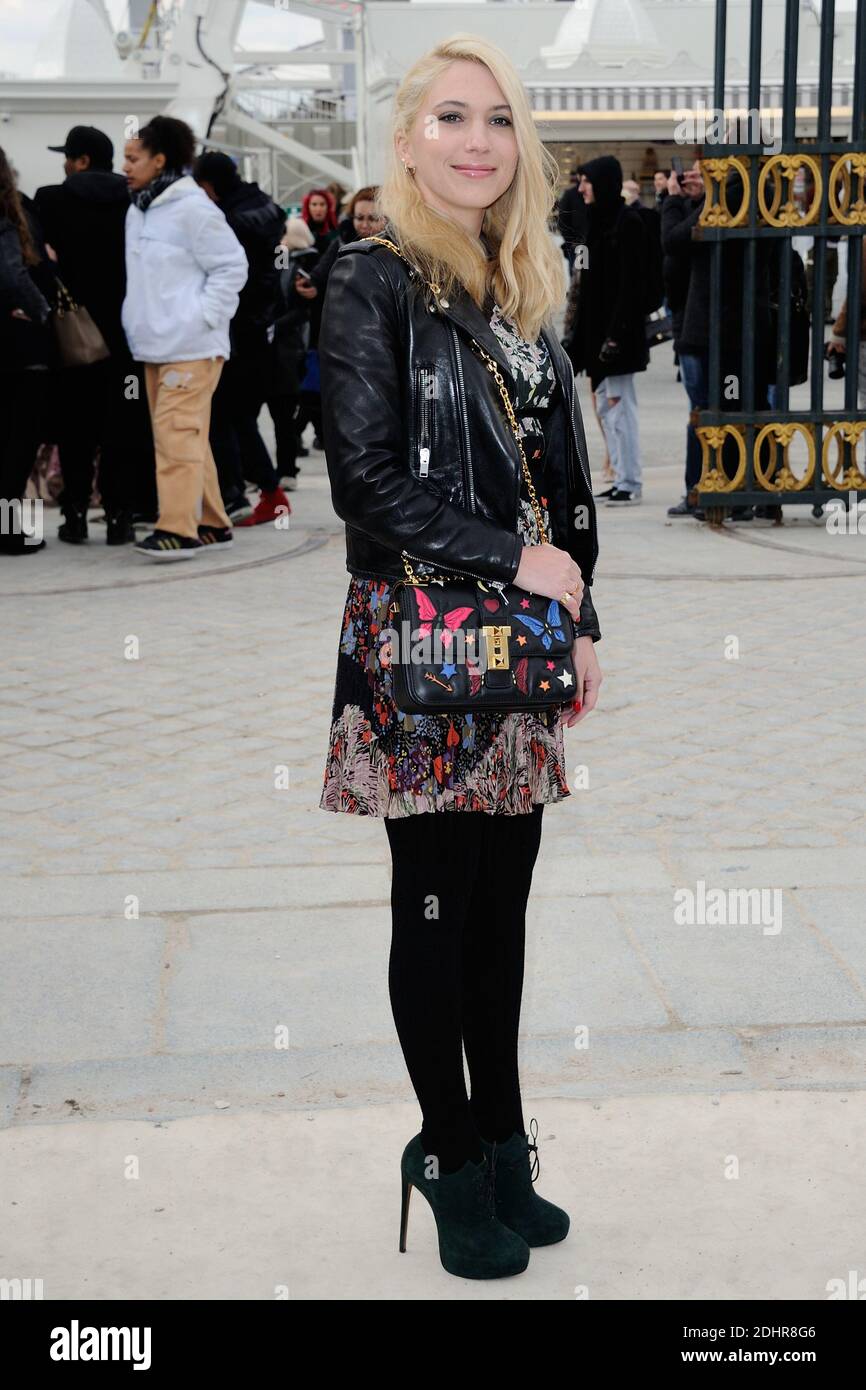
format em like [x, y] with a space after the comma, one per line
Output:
[745, 449]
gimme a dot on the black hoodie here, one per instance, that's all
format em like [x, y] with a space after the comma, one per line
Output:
[258, 223]
[605, 175]
[83, 219]
[613, 284]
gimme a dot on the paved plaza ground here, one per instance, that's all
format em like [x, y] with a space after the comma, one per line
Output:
[699, 1089]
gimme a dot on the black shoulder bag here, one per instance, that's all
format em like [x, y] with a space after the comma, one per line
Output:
[462, 643]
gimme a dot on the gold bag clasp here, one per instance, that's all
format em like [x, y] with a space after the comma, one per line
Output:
[496, 647]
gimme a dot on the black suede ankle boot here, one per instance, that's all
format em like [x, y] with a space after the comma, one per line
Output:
[518, 1206]
[473, 1244]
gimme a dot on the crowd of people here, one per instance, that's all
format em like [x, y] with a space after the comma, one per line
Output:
[147, 318]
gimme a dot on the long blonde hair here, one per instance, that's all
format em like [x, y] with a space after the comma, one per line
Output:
[525, 271]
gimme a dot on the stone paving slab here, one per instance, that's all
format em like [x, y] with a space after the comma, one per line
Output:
[64, 1007]
[673, 1060]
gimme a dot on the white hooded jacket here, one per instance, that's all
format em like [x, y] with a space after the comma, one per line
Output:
[185, 269]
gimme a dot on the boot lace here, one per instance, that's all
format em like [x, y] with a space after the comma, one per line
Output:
[530, 1149]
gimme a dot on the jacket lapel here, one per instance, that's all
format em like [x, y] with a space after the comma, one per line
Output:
[463, 311]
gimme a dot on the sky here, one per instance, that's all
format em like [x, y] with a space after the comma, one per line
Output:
[24, 22]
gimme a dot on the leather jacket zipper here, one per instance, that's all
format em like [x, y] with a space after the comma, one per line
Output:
[426, 385]
[494, 583]
[468, 479]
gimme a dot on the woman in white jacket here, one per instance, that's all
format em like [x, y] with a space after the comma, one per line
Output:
[185, 269]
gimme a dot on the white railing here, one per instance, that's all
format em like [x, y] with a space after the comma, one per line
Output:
[648, 96]
[274, 107]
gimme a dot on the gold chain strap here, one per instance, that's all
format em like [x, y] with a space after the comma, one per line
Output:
[490, 363]
[65, 303]
[492, 367]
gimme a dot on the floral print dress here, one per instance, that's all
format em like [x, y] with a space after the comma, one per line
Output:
[383, 762]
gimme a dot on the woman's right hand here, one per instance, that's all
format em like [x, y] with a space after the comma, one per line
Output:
[547, 570]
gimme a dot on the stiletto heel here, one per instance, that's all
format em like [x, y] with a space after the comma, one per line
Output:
[404, 1211]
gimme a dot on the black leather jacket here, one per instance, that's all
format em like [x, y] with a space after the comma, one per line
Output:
[398, 374]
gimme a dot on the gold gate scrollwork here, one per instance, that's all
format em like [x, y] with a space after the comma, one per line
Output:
[777, 171]
[713, 476]
[786, 166]
[715, 212]
[838, 475]
[849, 213]
[775, 476]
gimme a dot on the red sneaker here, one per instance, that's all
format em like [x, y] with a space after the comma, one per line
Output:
[270, 505]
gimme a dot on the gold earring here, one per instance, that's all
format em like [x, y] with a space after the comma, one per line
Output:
[410, 168]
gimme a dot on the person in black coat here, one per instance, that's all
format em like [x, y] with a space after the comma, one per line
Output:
[680, 212]
[238, 448]
[83, 220]
[289, 350]
[608, 339]
[26, 355]
[655, 289]
[571, 220]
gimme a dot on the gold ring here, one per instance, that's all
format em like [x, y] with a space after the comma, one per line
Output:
[567, 596]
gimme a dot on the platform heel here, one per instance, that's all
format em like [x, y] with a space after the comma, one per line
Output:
[473, 1243]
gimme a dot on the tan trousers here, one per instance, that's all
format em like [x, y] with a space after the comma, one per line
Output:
[179, 395]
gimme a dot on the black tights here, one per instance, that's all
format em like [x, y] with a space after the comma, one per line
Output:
[459, 888]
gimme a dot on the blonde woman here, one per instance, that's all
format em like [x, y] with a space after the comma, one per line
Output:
[467, 197]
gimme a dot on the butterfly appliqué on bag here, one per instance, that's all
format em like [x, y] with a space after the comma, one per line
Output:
[452, 619]
[545, 630]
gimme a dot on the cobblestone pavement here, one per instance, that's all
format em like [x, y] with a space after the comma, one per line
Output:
[724, 750]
